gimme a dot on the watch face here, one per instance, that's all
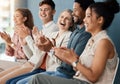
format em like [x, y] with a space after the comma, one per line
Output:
[74, 64]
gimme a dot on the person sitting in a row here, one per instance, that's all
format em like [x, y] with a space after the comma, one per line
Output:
[13, 46]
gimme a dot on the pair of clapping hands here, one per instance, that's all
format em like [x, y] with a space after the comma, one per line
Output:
[42, 42]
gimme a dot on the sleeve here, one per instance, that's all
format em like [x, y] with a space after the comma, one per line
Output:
[63, 43]
[27, 51]
[82, 43]
[30, 43]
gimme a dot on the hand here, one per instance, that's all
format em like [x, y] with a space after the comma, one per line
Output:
[66, 55]
[5, 37]
[22, 31]
[35, 30]
[43, 43]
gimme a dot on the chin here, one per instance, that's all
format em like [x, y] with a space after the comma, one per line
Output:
[86, 30]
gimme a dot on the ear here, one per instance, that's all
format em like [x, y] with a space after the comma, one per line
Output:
[25, 18]
[100, 20]
[54, 11]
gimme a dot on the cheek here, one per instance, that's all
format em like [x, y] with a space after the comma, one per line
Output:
[68, 25]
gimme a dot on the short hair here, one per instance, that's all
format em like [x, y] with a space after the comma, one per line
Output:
[84, 3]
[48, 2]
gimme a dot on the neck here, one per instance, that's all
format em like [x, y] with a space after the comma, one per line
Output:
[45, 22]
[61, 32]
[81, 25]
[96, 32]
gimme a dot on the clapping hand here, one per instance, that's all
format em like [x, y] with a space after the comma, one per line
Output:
[43, 43]
[65, 54]
[22, 31]
[5, 37]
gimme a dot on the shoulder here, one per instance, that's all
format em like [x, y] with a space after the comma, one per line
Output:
[106, 45]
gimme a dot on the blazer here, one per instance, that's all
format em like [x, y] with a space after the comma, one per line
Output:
[37, 56]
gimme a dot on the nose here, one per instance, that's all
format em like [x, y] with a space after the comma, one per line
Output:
[84, 19]
[63, 20]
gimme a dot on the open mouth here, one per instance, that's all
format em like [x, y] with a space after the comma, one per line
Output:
[63, 24]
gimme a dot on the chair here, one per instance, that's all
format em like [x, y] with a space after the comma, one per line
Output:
[116, 69]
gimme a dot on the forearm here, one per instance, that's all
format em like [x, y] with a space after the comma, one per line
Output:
[30, 43]
[27, 51]
[87, 72]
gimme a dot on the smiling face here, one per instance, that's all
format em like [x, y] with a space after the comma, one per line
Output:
[78, 13]
[65, 20]
[92, 22]
[46, 13]
[18, 18]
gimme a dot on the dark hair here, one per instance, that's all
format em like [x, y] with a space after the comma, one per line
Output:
[84, 3]
[107, 10]
[48, 2]
[27, 13]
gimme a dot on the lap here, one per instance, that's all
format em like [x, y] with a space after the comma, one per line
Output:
[46, 79]
[16, 79]
[55, 73]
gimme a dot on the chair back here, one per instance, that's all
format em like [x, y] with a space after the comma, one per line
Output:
[116, 69]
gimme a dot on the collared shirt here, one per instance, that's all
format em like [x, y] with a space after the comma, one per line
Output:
[49, 28]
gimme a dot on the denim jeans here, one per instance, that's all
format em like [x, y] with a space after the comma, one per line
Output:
[15, 79]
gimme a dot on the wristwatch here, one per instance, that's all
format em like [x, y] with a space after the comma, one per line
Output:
[74, 64]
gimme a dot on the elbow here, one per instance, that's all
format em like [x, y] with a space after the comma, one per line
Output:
[93, 79]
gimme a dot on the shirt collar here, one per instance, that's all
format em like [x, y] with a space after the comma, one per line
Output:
[99, 35]
[48, 24]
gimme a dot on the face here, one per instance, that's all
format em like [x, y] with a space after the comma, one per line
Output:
[18, 18]
[78, 13]
[65, 21]
[46, 13]
[91, 21]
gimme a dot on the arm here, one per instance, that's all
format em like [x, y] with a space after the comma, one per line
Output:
[27, 51]
[9, 50]
[93, 73]
[24, 33]
[63, 43]
[103, 52]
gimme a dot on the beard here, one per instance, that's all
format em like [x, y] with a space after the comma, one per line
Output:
[78, 21]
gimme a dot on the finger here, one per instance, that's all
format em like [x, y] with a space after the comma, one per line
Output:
[41, 33]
